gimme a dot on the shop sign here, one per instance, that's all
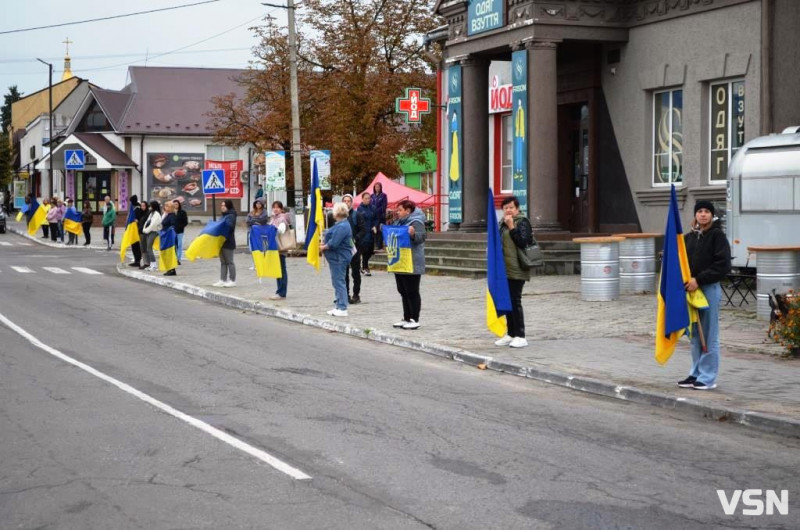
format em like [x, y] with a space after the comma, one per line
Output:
[484, 15]
[500, 96]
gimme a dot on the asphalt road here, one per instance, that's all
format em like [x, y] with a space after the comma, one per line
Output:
[389, 438]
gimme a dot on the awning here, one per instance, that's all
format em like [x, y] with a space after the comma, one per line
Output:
[102, 154]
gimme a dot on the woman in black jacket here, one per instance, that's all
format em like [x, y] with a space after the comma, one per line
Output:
[181, 222]
[709, 260]
[227, 270]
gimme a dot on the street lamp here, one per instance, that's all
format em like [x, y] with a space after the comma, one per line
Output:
[50, 139]
[296, 151]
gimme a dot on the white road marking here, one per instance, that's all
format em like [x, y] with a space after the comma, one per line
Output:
[280, 465]
[24, 270]
[55, 270]
[86, 271]
[5, 243]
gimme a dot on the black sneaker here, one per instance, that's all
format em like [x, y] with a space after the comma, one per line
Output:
[355, 300]
[170, 273]
[688, 382]
[697, 385]
[134, 264]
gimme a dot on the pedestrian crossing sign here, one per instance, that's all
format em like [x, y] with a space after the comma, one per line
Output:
[74, 159]
[213, 181]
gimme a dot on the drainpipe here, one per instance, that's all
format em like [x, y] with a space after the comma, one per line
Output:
[141, 165]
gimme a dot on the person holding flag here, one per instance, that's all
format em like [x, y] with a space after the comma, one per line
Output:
[72, 223]
[405, 254]
[516, 232]
[227, 270]
[498, 295]
[130, 238]
[34, 214]
[315, 220]
[168, 241]
[709, 257]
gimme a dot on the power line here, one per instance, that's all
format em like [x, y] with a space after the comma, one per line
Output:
[117, 55]
[106, 18]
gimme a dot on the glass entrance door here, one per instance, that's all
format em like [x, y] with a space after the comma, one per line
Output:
[94, 186]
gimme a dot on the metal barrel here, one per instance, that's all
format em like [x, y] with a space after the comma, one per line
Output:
[775, 269]
[637, 265]
[599, 268]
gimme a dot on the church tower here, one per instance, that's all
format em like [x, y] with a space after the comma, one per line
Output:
[67, 62]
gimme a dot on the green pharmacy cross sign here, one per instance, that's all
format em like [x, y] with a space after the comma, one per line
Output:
[413, 106]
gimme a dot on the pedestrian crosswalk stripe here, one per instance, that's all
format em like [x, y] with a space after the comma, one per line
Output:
[24, 270]
[55, 270]
[5, 243]
[85, 270]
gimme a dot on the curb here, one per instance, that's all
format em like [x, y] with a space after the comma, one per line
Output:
[755, 420]
[49, 242]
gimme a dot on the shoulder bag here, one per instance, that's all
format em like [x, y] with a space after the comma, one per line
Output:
[287, 240]
[531, 256]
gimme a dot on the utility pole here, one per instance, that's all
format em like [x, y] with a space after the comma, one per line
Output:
[297, 152]
[50, 139]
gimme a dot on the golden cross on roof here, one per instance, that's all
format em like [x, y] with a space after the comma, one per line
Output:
[67, 42]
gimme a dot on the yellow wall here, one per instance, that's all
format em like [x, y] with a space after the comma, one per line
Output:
[28, 108]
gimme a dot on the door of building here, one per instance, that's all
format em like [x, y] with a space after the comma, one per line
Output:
[574, 166]
[93, 187]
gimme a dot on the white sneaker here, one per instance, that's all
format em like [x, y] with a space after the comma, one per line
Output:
[505, 341]
[400, 324]
[220, 283]
[153, 268]
[411, 324]
[518, 342]
[230, 283]
[339, 312]
[330, 311]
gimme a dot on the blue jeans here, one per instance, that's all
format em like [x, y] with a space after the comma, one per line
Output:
[180, 246]
[338, 271]
[705, 366]
[283, 281]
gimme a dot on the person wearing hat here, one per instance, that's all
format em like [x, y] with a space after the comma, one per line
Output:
[709, 261]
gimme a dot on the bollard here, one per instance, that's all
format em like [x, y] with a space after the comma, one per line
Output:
[599, 268]
[777, 267]
[637, 263]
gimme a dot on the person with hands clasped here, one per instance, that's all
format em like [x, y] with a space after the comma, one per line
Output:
[709, 261]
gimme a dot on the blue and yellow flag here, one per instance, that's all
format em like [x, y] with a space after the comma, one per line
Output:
[498, 296]
[131, 234]
[36, 216]
[675, 314]
[208, 244]
[167, 249]
[72, 221]
[315, 221]
[264, 248]
[398, 249]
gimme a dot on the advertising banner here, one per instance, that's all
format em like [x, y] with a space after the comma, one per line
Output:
[176, 176]
[122, 177]
[233, 177]
[275, 164]
[454, 138]
[519, 167]
[70, 184]
[323, 158]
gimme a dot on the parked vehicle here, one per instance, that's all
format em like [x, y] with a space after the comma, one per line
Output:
[2, 220]
[763, 199]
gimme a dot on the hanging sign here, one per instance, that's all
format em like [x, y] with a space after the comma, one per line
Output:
[275, 164]
[413, 106]
[454, 138]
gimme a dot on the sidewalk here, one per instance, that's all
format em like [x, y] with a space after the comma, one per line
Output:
[601, 347]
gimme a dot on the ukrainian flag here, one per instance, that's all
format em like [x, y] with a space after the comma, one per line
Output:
[167, 247]
[264, 245]
[398, 249]
[675, 313]
[131, 234]
[36, 216]
[315, 221]
[498, 296]
[72, 221]
[208, 244]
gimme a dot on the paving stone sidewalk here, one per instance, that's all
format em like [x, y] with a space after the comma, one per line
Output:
[606, 347]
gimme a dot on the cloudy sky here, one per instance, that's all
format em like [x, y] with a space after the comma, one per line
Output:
[213, 35]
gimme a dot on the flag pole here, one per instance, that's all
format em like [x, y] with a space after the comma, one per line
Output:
[700, 334]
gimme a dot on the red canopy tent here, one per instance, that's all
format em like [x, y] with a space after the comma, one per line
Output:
[396, 192]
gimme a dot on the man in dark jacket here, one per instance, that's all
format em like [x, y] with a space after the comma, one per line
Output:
[366, 244]
[710, 261]
[359, 229]
[136, 248]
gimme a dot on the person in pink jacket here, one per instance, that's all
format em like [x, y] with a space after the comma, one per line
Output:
[54, 216]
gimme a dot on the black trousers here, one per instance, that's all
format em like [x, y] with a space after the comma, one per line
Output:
[355, 266]
[408, 287]
[366, 253]
[45, 230]
[54, 232]
[516, 320]
[136, 248]
[87, 232]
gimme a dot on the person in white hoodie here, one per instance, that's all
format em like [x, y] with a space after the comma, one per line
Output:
[151, 229]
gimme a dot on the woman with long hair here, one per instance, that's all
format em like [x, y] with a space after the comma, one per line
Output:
[380, 202]
[227, 270]
[151, 228]
[282, 222]
[408, 282]
[87, 217]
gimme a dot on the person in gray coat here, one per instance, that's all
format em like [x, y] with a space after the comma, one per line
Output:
[408, 283]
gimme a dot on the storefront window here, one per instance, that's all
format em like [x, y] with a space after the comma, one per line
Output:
[507, 141]
[221, 153]
[726, 126]
[668, 137]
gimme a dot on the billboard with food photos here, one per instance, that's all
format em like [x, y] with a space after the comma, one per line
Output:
[176, 176]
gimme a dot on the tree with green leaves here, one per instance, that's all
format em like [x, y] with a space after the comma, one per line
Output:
[354, 58]
[6, 153]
